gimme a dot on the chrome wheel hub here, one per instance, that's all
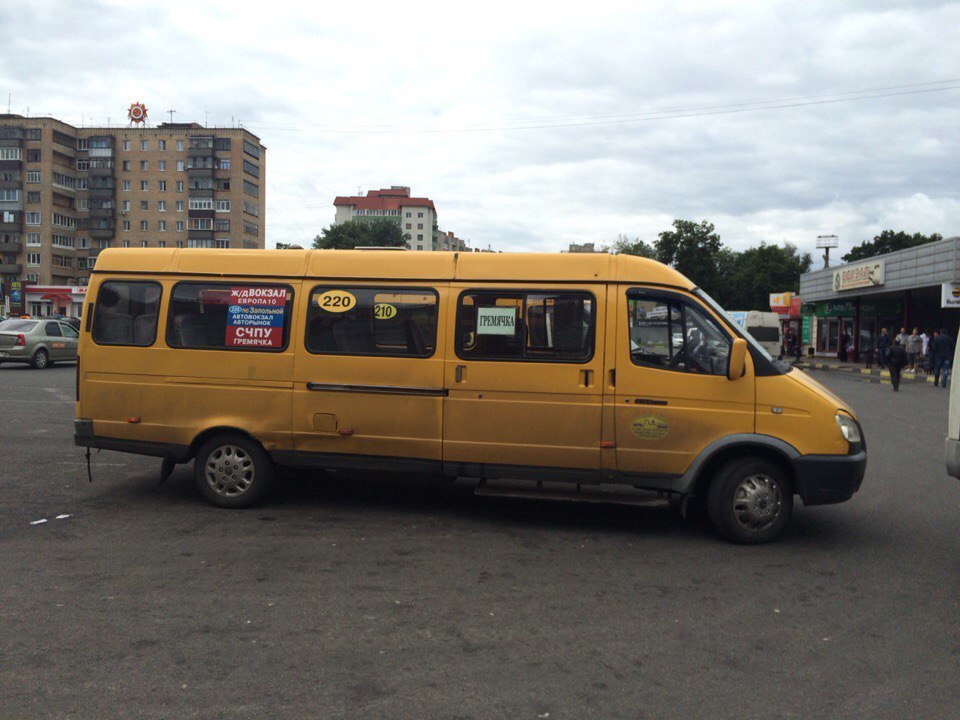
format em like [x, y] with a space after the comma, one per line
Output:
[229, 471]
[757, 502]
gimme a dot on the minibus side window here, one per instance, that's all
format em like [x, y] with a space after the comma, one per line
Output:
[673, 335]
[534, 326]
[230, 316]
[385, 321]
[126, 313]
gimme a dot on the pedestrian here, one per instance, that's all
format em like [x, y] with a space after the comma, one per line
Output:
[842, 352]
[896, 359]
[930, 346]
[913, 347]
[901, 338]
[791, 342]
[883, 345]
[942, 355]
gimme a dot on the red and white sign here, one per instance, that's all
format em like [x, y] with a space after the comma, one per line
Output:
[255, 317]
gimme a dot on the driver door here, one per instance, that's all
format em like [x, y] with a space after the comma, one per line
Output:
[672, 396]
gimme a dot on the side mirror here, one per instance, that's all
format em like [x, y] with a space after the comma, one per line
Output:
[738, 355]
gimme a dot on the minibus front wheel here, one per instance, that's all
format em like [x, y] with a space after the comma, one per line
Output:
[750, 500]
[233, 471]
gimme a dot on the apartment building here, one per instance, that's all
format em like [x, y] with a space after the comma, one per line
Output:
[417, 217]
[66, 193]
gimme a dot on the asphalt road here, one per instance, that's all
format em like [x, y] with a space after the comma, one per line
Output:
[386, 600]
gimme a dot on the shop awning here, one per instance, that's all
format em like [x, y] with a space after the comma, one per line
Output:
[56, 296]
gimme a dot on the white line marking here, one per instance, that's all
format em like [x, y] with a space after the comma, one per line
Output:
[37, 522]
[66, 515]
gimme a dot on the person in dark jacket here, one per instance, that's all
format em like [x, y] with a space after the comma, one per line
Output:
[844, 344]
[942, 355]
[896, 359]
[883, 345]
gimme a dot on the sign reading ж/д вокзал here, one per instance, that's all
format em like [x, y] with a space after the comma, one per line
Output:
[868, 274]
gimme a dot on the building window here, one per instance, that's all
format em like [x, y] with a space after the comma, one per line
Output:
[144, 204]
[161, 145]
[201, 203]
[10, 153]
[161, 243]
[408, 226]
[33, 258]
[250, 189]
[125, 243]
[161, 165]
[180, 165]
[179, 205]
[179, 229]
[33, 239]
[143, 225]
[33, 155]
[83, 243]
[126, 145]
[162, 185]
[180, 186]
[419, 236]
[223, 164]
[83, 164]
[221, 143]
[126, 226]
[222, 205]
[33, 133]
[125, 206]
[162, 225]
[223, 184]
[419, 214]
[419, 226]
[126, 186]
[251, 208]
[31, 218]
[125, 166]
[144, 144]
[144, 184]
[250, 149]
[83, 204]
[14, 196]
[33, 197]
[222, 244]
[161, 205]
[200, 224]
[33, 176]
[250, 169]
[250, 228]
[143, 165]
[222, 226]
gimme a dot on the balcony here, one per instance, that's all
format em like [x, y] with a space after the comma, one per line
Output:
[100, 152]
[102, 233]
[11, 142]
[10, 268]
[11, 205]
[101, 212]
[12, 227]
[194, 171]
[200, 193]
[200, 234]
[13, 246]
[100, 171]
[11, 165]
[101, 192]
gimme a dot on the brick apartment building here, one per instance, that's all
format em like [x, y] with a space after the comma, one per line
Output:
[66, 193]
[417, 217]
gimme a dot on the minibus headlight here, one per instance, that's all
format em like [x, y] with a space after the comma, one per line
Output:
[848, 428]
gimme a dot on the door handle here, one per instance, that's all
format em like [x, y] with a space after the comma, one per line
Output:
[458, 373]
[585, 378]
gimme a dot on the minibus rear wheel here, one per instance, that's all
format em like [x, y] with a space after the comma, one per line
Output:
[750, 501]
[233, 471]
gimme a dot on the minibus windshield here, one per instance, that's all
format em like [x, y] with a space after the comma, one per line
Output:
[735, 326]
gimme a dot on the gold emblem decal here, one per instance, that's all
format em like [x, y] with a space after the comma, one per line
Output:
[649, 427]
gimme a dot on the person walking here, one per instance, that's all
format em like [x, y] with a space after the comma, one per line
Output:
[883, 345]
[842, 352]
[913, 346]
[790, 340]
[896, 359]
[901, 338]
[942, 355]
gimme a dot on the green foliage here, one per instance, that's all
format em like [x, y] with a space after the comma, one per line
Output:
[378, 233]
[692, 248]
[737, 280]
[888, 241]
[626, 246]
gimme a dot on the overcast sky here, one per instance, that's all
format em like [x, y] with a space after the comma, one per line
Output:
[534, 125]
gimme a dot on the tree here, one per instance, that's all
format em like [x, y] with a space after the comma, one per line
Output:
[750, 276]
[289, 246]
[692, 248]
[638, 247]
[379, 233]
[888, 241]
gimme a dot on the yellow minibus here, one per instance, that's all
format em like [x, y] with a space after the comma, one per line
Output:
[591, 370]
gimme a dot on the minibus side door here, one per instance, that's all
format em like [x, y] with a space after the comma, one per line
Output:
[368, 374]
[523, 372]
[672, 396]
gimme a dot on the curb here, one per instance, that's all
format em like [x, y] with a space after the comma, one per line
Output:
[870, 374]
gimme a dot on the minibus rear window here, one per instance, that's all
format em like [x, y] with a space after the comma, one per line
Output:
[230, 316]
[764, 334]
[126, 313]
[534, 326]
[397, 322]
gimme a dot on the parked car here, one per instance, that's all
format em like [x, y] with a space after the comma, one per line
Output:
[39, 342]
[72, 322]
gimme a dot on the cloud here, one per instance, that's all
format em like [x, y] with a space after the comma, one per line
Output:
[531, 128]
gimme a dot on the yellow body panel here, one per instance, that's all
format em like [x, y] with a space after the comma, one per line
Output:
[603, 414]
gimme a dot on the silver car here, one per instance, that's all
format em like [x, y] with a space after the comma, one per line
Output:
[40, 342]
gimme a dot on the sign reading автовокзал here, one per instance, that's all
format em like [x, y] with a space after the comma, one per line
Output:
[851, 277]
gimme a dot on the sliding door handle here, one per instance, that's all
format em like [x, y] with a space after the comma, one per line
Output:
[586, 378]
[458, 373]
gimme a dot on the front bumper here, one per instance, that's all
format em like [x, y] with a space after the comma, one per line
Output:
[951, 452]
[826, 479]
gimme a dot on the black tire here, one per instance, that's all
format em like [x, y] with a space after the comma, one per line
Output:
[233, 471]
[750, 501]
[41, 359]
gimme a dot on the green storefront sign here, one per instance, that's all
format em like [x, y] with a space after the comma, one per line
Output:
[805, 330]
[847, 308]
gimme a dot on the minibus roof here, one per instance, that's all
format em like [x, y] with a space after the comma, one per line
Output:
[375, 265]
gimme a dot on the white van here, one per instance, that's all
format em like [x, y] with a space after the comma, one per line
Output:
[764, 327]
[952, 443]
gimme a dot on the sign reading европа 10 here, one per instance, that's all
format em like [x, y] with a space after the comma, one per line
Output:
[851, 277]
